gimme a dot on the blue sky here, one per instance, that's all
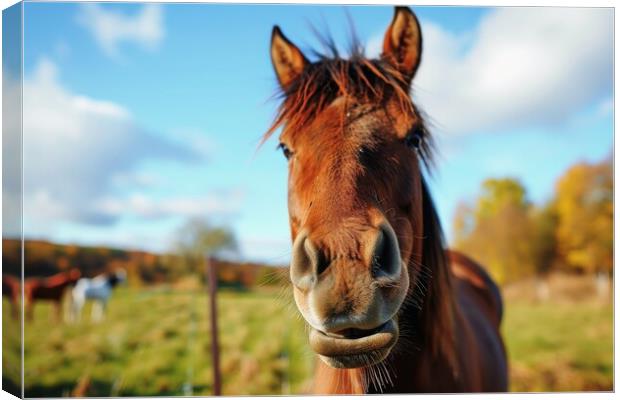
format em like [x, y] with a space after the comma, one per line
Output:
[138, 117]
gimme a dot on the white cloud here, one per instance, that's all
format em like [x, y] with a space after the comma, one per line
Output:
[138, 204]
[11, 172]
[197, 139]
[275, 250]
[605, 107]
[374, 46]
[75, 150]
[136, 179]
[111, 28]
[520, 67]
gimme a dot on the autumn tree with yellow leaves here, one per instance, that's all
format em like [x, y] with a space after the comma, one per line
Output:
[584, 205]
[497, 230]
[514, 238]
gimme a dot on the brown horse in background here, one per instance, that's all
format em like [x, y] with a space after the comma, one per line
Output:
[389, 309]
[51, 288]
[11, 289]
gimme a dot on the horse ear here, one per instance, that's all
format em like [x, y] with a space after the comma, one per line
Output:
[402, 44]
[288, 61]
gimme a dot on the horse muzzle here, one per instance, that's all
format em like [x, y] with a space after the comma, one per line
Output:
[350, 302]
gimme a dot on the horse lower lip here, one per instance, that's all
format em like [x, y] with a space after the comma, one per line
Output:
[353, 333]
[381, 337]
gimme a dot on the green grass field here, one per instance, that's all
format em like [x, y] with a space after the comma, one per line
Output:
[156, 341]
[560, 347]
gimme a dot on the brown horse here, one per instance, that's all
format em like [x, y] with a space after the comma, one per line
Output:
[388, 308]
[11, 289]
[51, 288]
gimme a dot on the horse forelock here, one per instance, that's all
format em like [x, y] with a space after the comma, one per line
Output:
[363, 80]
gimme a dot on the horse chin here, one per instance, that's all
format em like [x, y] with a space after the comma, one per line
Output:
[356, 352]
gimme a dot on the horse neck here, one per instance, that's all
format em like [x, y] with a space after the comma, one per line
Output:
[59, 280]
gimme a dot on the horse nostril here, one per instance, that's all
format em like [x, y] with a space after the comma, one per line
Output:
[321, 263]
[386, 254]
[307, 263]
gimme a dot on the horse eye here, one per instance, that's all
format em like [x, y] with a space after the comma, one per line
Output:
[414, 139]
[285, 150]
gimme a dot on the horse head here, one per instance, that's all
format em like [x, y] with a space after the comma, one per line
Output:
[355, 144]
[118, 276]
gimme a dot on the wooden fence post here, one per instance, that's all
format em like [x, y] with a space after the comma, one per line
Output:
[215, 348]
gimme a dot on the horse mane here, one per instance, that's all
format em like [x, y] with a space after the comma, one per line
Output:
[356, 77]
[437, 314]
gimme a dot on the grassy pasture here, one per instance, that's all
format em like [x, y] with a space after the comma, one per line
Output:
[156, 341]
[560, 347]
[564, 343]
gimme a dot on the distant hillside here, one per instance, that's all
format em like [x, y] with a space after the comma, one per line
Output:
[44, 258]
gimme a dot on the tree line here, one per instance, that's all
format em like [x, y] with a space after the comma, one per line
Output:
[515, 238]
[502, 229]
[196, 239]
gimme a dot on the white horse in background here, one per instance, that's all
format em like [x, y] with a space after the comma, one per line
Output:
[97, 289]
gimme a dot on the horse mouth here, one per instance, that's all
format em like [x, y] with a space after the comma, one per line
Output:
[354, 348]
